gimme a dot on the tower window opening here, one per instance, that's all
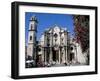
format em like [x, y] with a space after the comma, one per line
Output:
[31, 26]
[30, 37]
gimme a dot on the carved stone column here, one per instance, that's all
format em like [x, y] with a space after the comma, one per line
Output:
[60, 55]
[50, 60]
[65, 48]
[45, 55]
[45, 49]
[42, 48]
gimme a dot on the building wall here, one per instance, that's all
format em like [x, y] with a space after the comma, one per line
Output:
[30, 50]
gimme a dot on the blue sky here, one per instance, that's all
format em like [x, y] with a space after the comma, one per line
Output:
[47, 20]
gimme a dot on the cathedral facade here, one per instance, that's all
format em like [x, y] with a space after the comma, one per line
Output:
[55, 46]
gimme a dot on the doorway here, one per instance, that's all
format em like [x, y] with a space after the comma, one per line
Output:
[55, 55]
[71, 56]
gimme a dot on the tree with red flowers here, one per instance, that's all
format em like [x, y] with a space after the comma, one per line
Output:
[81, 24]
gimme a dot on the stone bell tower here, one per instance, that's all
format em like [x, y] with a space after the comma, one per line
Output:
[31, 48]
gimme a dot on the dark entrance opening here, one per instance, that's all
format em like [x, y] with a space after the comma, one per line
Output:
[48, 54]
[71, 56]
[54, 55]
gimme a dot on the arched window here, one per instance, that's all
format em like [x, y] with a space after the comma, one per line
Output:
[30, 37]
[62, 39]
[31, 26]
[71, 48]
[55, 40]
[55, 35]
[39, 49]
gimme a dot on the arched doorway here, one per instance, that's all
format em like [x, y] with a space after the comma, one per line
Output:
[55, 55]
[71, 56]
